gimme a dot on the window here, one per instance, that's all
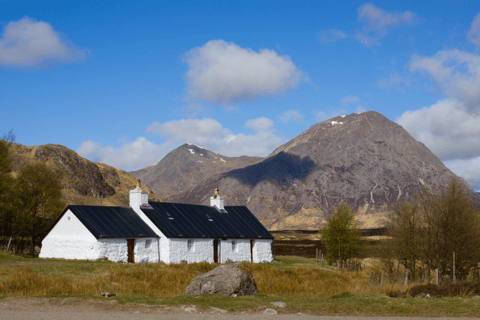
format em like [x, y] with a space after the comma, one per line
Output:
[234, 246]
[169, 215]
[148, 243]
[209, 217]
[190, 246]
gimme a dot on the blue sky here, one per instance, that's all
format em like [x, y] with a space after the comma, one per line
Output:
[124, 83]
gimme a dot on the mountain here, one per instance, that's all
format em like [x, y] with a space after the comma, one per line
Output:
[362, 159]
[84, 182]
[186, 167]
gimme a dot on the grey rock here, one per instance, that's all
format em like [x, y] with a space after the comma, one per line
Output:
[228, 279]
[279, 304]
[219, 310]
[428, 296]
[107, 275]
[270, 311]
[476, 297]
[190, 309]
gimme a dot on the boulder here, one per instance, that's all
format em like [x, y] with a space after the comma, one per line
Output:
[230, 279]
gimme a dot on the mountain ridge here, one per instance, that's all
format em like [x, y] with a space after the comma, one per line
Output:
[362, 159]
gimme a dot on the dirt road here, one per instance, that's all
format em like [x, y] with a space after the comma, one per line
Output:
[92, 309]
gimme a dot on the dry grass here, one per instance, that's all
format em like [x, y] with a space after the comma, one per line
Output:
[293, 277]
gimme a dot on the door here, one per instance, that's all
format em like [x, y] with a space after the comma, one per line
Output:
[215, 250]
[130, 248]
[251, 249]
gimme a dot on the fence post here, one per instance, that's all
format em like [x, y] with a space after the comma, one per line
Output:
[406, 278]
[356, 265]
[454, 277]
[337, 263]
[381, 279]
[370, 279]
[436, 277]
[316, 256]
[479, 271]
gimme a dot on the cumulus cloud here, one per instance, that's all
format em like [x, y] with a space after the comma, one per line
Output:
[445, 128]
[291, 115]
[331, 36]
[225, 73]
[474, 33]
[380, 21]
[468, 169]
[138, 154]
[210, 134]
[27, 43]
[456, 72]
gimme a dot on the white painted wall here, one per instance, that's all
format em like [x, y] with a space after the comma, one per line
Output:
[241, 253]
[117, 250]
[69, 239]
[202, 250]
[262, 250]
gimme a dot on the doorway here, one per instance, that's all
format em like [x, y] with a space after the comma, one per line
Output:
[130, 250]
[215, 250]
[251, 249]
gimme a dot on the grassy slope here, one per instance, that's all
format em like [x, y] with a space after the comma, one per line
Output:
[305, 286]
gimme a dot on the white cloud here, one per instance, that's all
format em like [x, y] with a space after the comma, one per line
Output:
[445, 128]
[291, 115]
[457, 73]
[331, 36]
[468, 169]
[210, 134]
[474, 33]
[379, 20]
[225, 73]
[138, 154]
[28, 42]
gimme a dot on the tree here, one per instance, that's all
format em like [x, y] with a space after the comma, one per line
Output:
[341, 236]
[6, 183]
[404, 232]
[38, 201]
[450, 223]
[433, 226]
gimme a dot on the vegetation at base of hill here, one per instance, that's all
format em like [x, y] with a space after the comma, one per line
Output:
[341, 236]
[306, 286]
[29, 203]
[424, 234]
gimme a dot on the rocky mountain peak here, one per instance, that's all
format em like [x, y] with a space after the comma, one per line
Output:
[364, 159]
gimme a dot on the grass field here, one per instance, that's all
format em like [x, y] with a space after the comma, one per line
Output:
[305, 285]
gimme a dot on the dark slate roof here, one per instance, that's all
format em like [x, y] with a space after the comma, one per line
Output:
[112, 222]
[191, 221]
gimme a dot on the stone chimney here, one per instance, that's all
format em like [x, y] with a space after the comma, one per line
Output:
[138, 197]
[217, 201]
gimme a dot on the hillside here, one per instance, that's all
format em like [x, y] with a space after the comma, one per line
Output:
[84, 182]
[187, 166]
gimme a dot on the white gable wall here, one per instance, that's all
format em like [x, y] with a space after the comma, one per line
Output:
[262, 250]
[69, 239]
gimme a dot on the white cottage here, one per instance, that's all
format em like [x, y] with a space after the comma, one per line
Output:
[153, 231]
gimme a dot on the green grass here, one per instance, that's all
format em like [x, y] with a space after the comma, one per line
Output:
[305, 285]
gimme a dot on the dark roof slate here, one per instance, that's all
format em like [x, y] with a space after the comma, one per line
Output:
[191, 221]
[112, 222]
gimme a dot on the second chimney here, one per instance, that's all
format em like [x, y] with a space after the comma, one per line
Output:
[217, 201]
